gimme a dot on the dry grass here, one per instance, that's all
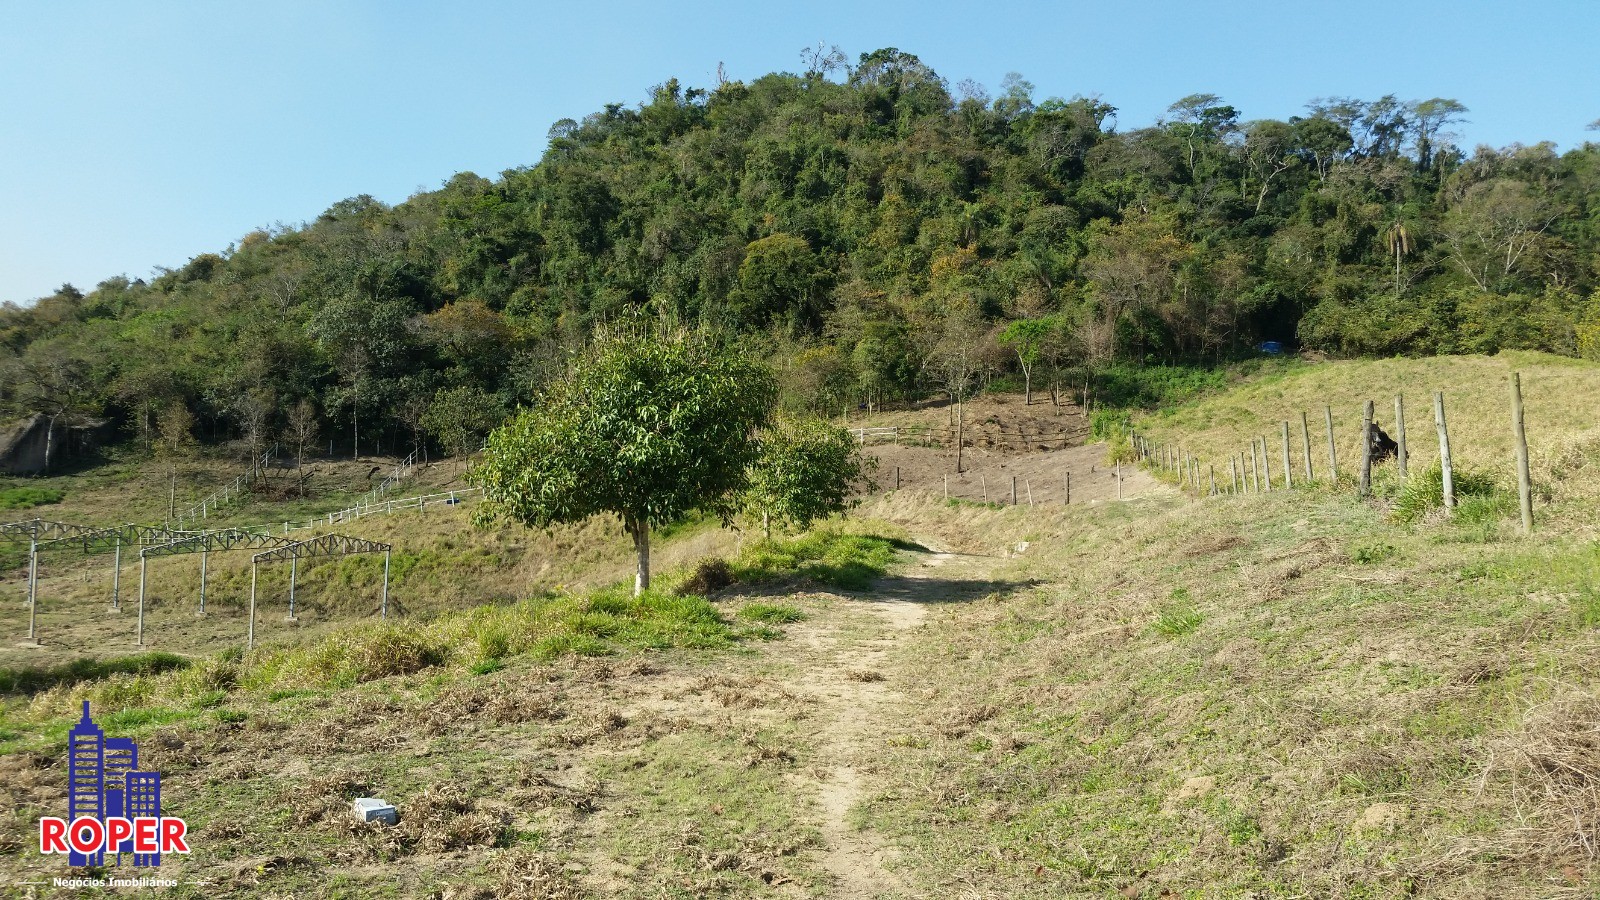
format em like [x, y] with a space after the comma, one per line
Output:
[1561, 400]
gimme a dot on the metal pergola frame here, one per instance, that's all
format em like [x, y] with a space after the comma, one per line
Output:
[204, 543]
[100, 540]
[312, 548]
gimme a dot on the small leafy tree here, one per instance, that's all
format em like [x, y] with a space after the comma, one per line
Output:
[1027, 338]
[807, 471]
[646, 425]
[459, 418]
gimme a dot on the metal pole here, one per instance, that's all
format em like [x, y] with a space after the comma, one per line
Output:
[251, 641]
[294, 563]
[142, 562]
[33, 581]
[383, 605]
[203, 555]
[116, 577]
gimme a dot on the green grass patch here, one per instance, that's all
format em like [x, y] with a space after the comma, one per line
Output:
[1178, 616]
[29, 680]
[29, 497]
[1478, 499]
[771, 613]
[850, 561]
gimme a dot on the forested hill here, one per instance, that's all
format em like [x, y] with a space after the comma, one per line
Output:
[853, 222]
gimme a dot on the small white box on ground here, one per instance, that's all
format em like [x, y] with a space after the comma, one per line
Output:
[371, 809]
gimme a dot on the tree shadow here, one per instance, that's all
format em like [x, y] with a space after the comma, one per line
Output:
[908, 589]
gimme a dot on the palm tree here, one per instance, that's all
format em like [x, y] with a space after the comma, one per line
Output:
[1399, 240]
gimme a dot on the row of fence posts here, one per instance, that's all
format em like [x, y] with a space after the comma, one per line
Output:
[1251, 470]
[1027, 486]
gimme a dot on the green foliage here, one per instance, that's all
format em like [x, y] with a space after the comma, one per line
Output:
[1178, 616]
[29, 680]
[1424, 491]
[646, 425]
[851, 561]
[807, 470]
[836, 227]
[459, 418]
[29, 497]
[771, 613]
[1154, 387]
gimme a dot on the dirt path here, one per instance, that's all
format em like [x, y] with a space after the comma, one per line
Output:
[857, 692]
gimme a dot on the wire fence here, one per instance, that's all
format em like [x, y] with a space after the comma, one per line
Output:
[1268, 463]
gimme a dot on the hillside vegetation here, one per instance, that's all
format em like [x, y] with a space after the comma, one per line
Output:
[878, 232]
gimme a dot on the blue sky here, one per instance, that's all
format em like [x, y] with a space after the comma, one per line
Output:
[141, 134]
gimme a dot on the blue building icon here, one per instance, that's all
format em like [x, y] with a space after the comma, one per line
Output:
[103, 781]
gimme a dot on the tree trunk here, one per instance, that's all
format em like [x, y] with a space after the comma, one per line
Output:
[640, 529]
[1027, 386]
[961, 430]
[49, 441]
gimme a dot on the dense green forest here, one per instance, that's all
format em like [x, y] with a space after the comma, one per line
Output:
[873, 231]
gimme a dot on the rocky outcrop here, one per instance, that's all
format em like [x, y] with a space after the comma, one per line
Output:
[31, 446]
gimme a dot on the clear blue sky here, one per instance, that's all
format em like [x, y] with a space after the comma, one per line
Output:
[137, 134]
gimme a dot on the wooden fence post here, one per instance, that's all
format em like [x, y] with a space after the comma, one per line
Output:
[1305, 445]
[1013, 490]
[1288, 467]
[947, 487]
[1255, 470]
[1119, 482]
[1333, 454]
[897, 478]
[985, 482]
[1233, 468]
[1365, 486]
[1029, 483]
[1518, 431]
[1447, 472]
[1266, 464]
[1213, 482]
[1068, 501]
[1400, 454]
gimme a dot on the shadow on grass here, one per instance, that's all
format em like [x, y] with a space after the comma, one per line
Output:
[28, 680]
[942, 590]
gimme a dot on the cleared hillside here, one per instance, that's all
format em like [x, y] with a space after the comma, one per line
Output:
[1285, 695]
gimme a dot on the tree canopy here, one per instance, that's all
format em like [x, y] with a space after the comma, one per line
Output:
[828, 219]
[646, 424]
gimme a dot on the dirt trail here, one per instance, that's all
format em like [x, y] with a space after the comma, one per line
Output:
[857, 691]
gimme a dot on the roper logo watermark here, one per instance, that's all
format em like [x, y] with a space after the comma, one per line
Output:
[112, 808]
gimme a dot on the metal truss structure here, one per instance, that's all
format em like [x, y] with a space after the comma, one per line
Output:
[32, 531]
[215, 541]
[324, 545]
[157, 541]
[312, 548]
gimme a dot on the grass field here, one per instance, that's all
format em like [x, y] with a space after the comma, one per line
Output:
[1561, 400]
[1297, 694]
